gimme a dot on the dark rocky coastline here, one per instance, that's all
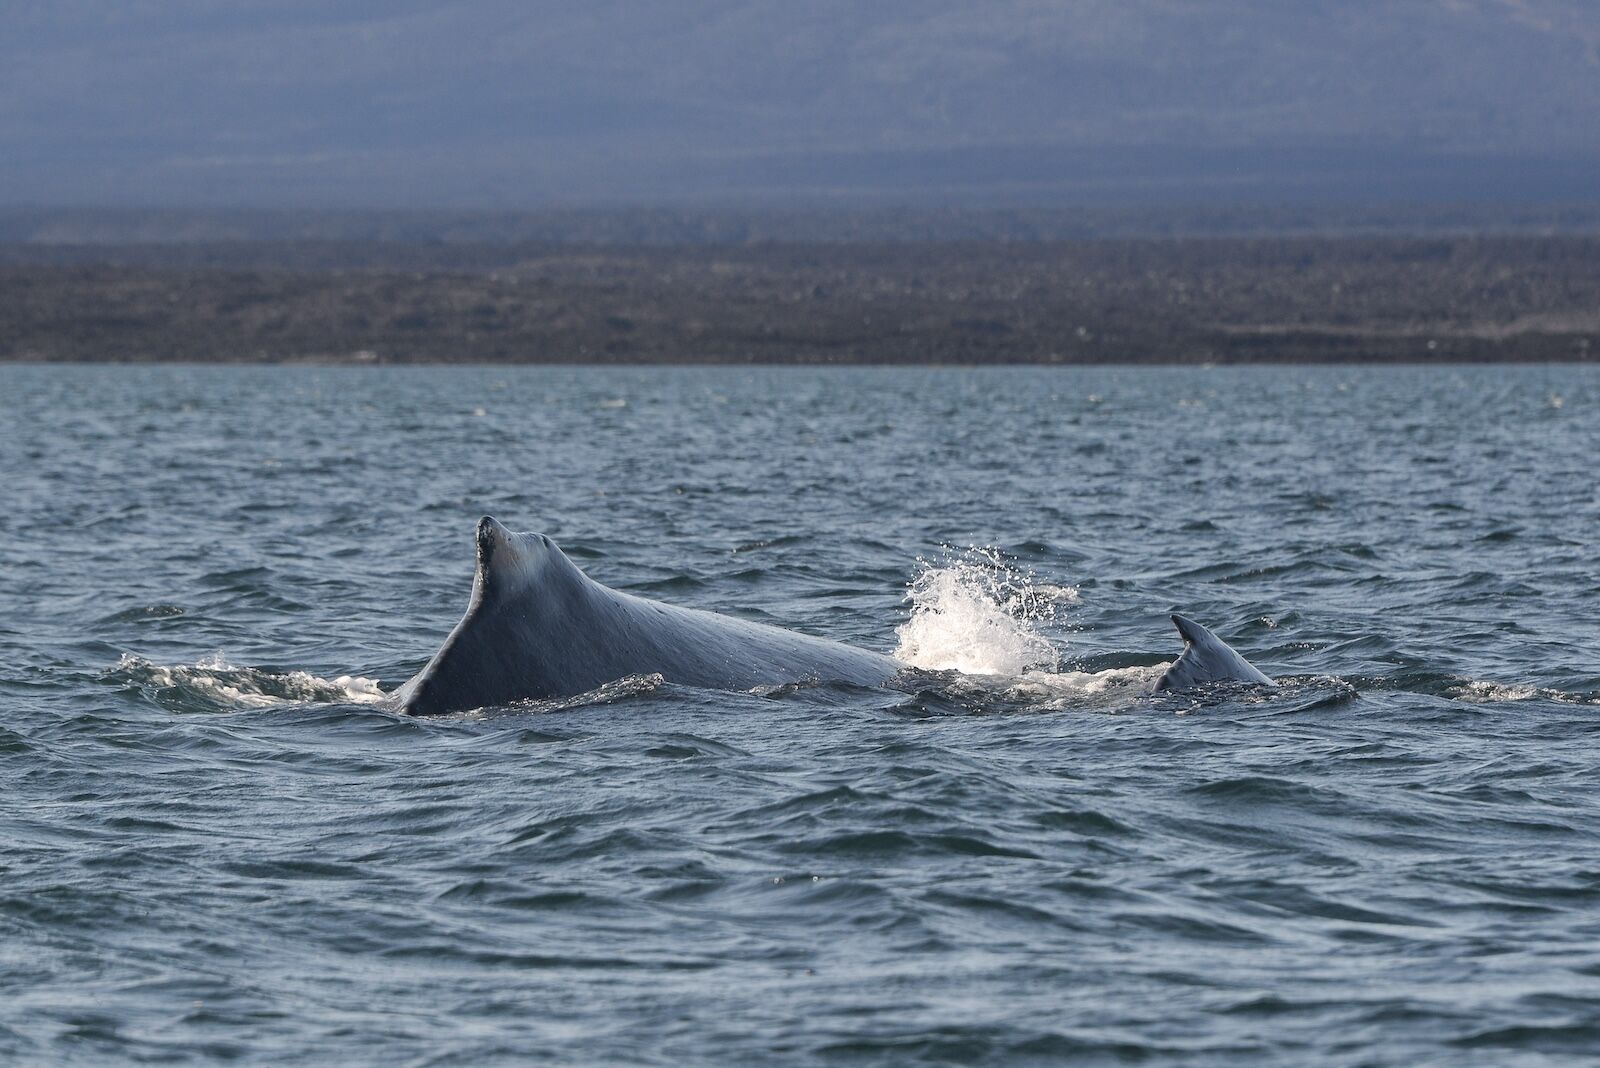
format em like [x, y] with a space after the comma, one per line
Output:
[1222, 300]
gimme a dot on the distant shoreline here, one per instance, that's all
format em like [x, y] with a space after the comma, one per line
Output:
[688, 365]
[1446, 299]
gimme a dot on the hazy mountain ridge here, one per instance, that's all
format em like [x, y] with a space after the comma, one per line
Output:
[504, 103]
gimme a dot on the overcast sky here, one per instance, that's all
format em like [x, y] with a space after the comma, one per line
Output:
[510, 103]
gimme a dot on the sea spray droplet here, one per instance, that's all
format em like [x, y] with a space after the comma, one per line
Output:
[973, 612]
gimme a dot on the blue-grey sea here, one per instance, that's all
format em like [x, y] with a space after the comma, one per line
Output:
[217, 842]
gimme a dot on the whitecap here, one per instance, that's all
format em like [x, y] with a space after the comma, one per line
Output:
[217, 681]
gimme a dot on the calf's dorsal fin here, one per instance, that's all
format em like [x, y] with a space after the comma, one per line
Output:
[1207, 659]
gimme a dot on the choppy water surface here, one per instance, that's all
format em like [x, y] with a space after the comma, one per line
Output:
[217, 843]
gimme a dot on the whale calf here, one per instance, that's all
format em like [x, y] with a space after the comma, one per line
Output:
[538, 627]
[1207, 660]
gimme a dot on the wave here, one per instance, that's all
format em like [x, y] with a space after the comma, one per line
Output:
[214, 684]
[605, 694]
[1486, 692]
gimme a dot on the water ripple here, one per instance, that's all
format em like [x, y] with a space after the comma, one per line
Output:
[1018, 857]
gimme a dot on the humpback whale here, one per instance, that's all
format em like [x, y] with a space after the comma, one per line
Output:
[1206, 660]
[538, 627]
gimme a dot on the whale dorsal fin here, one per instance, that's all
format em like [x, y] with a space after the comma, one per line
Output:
[1206, 659]
[505, 558]
[514, 565]
[513, 573]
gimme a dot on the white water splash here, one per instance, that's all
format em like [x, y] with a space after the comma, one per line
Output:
[214, 678]
[976, 614]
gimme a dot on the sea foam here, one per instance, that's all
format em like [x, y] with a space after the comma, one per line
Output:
[214, 680]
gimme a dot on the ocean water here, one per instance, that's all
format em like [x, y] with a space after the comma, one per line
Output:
[217, 843]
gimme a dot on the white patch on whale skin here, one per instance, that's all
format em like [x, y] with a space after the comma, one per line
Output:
[1111, 690]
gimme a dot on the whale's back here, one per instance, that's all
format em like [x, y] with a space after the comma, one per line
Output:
[538, 627]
